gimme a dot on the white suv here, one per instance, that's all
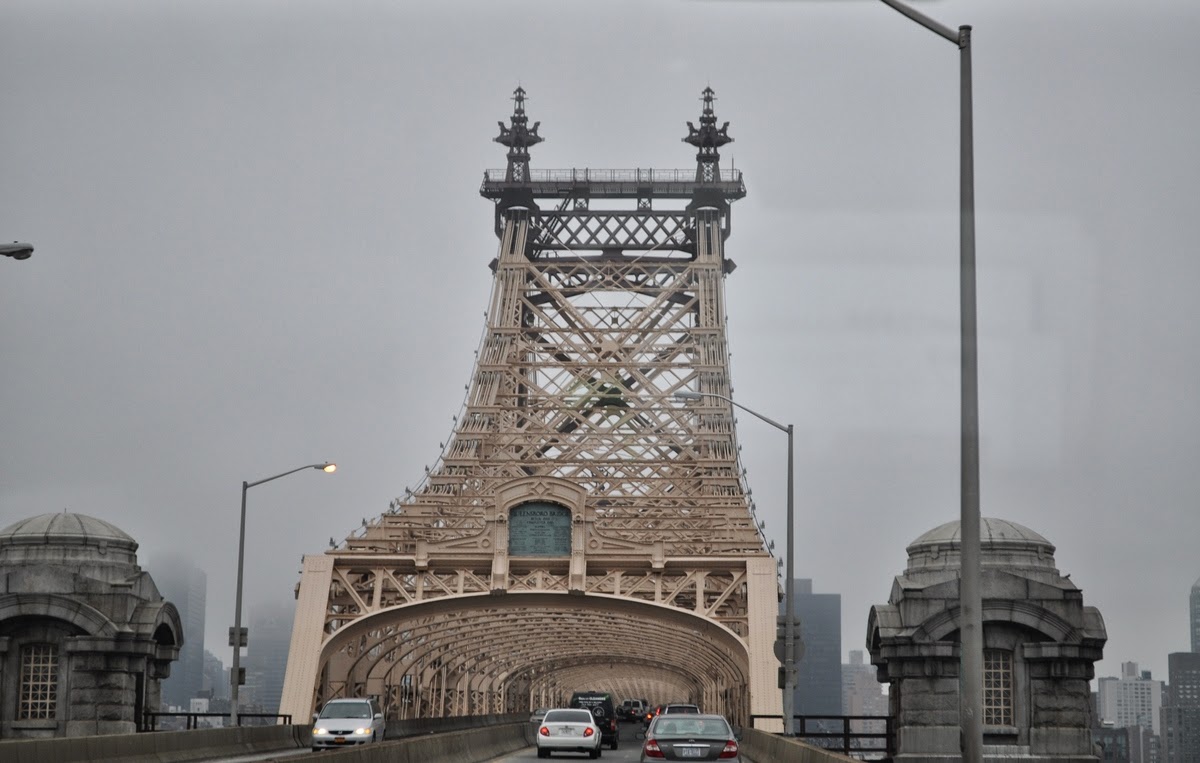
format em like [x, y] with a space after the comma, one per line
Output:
[347, 723]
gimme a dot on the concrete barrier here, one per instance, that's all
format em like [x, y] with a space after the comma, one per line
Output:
[762, 747]
[478, 738]
[156, 746]
[468, 746]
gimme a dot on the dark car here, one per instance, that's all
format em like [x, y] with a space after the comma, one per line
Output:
[690, 736]
[650, 714]
[600, 703]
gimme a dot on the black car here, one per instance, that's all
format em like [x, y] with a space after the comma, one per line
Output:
[600, 703]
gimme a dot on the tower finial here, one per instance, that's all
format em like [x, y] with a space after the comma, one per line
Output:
[708, 138]
[518, 137]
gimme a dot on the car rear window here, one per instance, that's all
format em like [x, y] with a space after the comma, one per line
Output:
[568, 716]
[687, 727]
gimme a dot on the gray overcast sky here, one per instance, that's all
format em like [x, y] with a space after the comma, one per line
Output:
[260, 244]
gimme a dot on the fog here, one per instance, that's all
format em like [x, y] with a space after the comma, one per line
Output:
[260, 244]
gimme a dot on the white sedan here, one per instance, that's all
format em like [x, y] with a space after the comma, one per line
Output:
[568, 730]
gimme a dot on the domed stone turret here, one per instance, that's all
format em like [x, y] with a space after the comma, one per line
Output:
[77, 604]
[1002, 545]
[1040, 646]
[66, 538]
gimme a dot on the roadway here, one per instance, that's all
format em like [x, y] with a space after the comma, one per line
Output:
[629, 748]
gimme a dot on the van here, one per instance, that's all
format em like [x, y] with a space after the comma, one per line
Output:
[633, 709]
[600, 704]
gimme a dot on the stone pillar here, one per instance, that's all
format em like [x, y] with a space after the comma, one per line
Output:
[103, 686]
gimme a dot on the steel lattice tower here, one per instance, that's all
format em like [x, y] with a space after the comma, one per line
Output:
[578, 508]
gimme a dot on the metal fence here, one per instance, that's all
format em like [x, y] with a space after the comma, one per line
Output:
[845, 734]
[150, 721]
[586, 175]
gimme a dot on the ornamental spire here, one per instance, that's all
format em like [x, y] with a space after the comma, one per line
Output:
[708, 139]
[519, 137]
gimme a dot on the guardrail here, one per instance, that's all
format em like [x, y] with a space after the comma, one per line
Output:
[192, 720]
[588, 175]
[765, 747]
[861, 745]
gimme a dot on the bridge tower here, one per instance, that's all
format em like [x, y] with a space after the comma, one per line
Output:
[583, 528]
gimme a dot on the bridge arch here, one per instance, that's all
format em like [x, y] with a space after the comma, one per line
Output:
[502, 653]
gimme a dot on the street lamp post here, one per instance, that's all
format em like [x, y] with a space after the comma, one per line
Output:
[970, 593]
[236, 638]
[789, 626]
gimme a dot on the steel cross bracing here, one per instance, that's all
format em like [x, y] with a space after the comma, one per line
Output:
[597, 318]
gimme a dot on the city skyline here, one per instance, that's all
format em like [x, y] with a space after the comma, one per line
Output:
[260, 244]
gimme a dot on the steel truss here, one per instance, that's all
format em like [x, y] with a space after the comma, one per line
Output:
[597, 318]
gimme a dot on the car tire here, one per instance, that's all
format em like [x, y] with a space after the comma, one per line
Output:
[594, 753]
[543, 753]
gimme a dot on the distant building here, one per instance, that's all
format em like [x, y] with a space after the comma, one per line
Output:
[862, 694]
[1134, 699]
[1194, 612]
[185, 585]
[216, 677]
[1180, 724]
[1113, 744]
[86, 638]
[270, 637]
[819, 669]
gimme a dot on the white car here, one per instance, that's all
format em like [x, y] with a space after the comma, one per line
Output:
[347, 723]
[568, 730]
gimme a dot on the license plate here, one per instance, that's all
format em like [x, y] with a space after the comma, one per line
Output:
[566, 731]
[690, 752]
[339, 740]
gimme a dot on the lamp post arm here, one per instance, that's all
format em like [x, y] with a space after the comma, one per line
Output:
[293, 471]
[925, 21]
[735, 404]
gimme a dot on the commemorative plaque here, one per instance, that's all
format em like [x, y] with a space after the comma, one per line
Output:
[539, 529]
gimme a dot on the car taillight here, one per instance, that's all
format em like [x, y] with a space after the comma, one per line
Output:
[543, 731]
[587, 732]
[730, 750]
[612, 725]
[652, 750]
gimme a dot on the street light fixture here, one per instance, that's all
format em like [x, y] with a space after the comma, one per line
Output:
[789, 626]
[970, 593]
[237, 638]
[17, 250]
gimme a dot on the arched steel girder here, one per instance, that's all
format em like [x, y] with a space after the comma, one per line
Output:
[427, 631]
[492, 645]
[500, 649]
